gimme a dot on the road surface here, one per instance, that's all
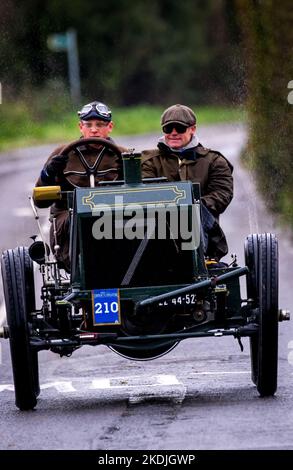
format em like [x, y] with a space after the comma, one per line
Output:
[199, 396]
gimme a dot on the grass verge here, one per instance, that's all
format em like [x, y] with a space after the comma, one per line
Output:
[19, 128]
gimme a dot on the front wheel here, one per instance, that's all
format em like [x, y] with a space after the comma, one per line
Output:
[264, 286]
[17, 277]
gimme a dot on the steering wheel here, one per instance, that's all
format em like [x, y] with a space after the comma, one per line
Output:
[91, 170]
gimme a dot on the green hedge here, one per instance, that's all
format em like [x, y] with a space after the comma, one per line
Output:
[46, 119]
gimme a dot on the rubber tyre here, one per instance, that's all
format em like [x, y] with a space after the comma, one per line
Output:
[251, 249]
[268, 316]
[30, 298]
[264, 346]
[17, 276]
[252, 280]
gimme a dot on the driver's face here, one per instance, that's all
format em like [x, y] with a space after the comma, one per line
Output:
[95, 128]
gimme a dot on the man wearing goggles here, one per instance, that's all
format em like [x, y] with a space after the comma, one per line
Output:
[180, 156]
[95, 120]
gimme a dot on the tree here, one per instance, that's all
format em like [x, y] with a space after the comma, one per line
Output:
[131, 51]
[268, 46]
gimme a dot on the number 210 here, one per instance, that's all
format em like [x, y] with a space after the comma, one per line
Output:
[105, 307]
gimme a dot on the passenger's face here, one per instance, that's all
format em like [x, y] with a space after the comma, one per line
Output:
[95, 128]
[178, 140]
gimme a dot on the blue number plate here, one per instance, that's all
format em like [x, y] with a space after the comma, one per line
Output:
[106, 306]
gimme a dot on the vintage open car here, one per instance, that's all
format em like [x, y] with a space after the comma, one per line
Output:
[139, 281]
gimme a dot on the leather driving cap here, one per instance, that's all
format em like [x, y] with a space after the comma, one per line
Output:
[180, 114]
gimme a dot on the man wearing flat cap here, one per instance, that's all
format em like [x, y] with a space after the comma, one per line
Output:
[180, 156]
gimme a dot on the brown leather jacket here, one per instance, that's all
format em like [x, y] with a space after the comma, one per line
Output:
[207, 167]
[109, 163]
[109, 169]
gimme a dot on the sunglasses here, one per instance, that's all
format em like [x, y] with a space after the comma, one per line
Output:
[180, 128]
[101, 109]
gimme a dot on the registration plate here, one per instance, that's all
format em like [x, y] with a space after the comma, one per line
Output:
[106, 306]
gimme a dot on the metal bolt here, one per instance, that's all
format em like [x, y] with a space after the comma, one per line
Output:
[284, 315]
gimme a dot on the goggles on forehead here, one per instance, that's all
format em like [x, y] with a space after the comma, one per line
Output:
[180, 128]
[95, 110]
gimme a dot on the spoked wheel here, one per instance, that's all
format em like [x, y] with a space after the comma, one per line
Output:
[18, 283]
[263, 280]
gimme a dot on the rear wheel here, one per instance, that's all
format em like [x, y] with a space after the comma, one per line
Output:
[17, 273]
[264, 345]
[251, 261]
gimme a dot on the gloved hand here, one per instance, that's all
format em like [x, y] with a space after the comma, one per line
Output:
[56, 165]
[54, 169]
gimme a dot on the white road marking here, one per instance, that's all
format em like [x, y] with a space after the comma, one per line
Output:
[167, 380]
[136, 388]
[236, 372]
[100, 383]
[135, 381]
[139, 388]
[62, 387]
[9, 387]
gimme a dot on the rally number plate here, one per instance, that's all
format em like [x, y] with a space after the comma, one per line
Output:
[106, 307]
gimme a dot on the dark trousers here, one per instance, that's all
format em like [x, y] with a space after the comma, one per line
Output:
[213, 238]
